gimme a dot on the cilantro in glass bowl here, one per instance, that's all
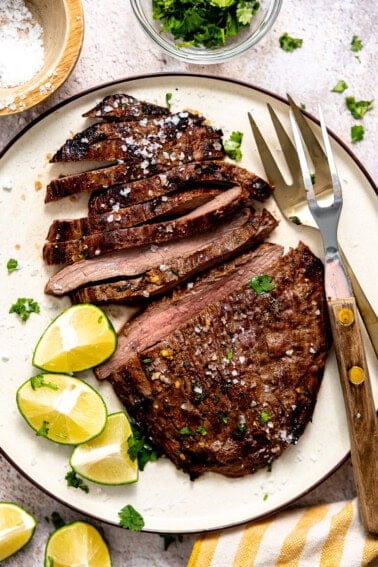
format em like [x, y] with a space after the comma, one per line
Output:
[206, 31]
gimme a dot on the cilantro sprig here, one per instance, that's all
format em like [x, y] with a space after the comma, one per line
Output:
[140, 449]
[23, 307]
[358, 108]
[232, 146]
[130, 519]
[289, 43]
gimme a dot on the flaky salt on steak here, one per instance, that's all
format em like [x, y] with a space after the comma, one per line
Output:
[222, 378]
[126, 107]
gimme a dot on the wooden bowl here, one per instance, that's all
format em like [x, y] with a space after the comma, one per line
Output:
[62, 22]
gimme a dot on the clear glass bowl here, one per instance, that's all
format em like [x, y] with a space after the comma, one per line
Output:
[248, 37]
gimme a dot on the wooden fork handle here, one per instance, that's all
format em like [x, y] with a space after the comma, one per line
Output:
[359, 405]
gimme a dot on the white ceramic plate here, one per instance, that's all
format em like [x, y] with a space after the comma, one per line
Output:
[167, 499]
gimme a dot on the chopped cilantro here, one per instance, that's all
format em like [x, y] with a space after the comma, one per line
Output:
[229, 354]
[185, 430]
[38, 381]
[240, 430]
[44, 429]
[261, 284]
[75, 481]
[288, 43]
[265, 497]
[203, 22]
[57, 520]
[171, 538]
[356, 43]
[223, 418]
[358, 108]
[130, 519]
[140, 449]
[147, 360]
[168, 98]
[201, 430]
[269, 467]
[232, 146]
[24, 307]
[340, 87]
[357, 133]
[264, 417]
[295, 220]
[12, 265]
[313, 178]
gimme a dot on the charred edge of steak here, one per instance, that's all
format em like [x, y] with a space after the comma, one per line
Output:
[126, 107]
[201, 219]
[163, 278]
[197, 150]
[231, 387]
[77, 147]
[159, 208]
[208, 173]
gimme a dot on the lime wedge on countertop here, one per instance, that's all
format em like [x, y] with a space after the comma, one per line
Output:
[16, 528]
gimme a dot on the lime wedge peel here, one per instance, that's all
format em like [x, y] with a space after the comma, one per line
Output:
[105, 459]
[62, 408]
[78, 543]
[78, 339]
[17, 527]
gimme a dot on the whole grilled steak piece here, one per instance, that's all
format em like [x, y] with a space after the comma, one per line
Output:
[187, 150]
[222, 378]
[201, 219]
[217, 173]
[156, 209]
[166, 127]
[145, 146]
[163, 277]
[125, 107]
[176, 254]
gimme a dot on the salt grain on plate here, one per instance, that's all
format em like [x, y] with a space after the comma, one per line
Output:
[21, 45]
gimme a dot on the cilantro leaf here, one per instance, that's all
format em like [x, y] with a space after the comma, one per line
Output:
[357, 133]
[75, 481]
[340, 87]
[261, 284]
[264, 417]
[232, 146]
[57, 520]
[38, 381]
[140, 448]
[289, 43]
[44, 429]
[130, 519]
[12, 265]
[168, 99]
[358, 108]
[186, 430]
[356, 43]
[24, 307]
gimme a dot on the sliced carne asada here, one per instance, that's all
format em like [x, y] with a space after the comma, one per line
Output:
[143, 146]
[156, 209]
[125, 107]
[194, 149]
[217, 173]
[163, 126]
[161, 278]
[135, 261]
[201, 219]
[221, 378]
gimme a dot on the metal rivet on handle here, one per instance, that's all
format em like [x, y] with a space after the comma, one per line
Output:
[345, 316]
[356, 375]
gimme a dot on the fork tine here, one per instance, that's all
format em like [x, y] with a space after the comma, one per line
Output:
[314, 149]
[331, 160]
[309, 187]
[271, 169]
[287, 146]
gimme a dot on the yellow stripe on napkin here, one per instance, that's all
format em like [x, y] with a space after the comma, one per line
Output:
[328, 535]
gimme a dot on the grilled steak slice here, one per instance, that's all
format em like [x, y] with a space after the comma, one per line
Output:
[164, 126]
[135, 261]
[156, 209]
[125, 107]
[161, 278]
[144, 146]
[218, 173]
[201, 219]
[221, 378]
[194, 150]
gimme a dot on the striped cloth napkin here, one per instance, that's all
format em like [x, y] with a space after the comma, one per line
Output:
[328, 535]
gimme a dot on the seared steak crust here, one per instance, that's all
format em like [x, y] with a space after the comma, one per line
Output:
[217, 173]
[124, 107]
[233, 383]
[129, 133]
[163, 277]
[201, 219]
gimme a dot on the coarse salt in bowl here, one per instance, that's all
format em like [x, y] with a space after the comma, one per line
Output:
[40, 41]
[261, 23]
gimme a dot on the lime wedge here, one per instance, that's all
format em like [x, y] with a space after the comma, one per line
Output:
[78, 543]
[105, 459]
[62, 408]
[16, 528]
[81, 337]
